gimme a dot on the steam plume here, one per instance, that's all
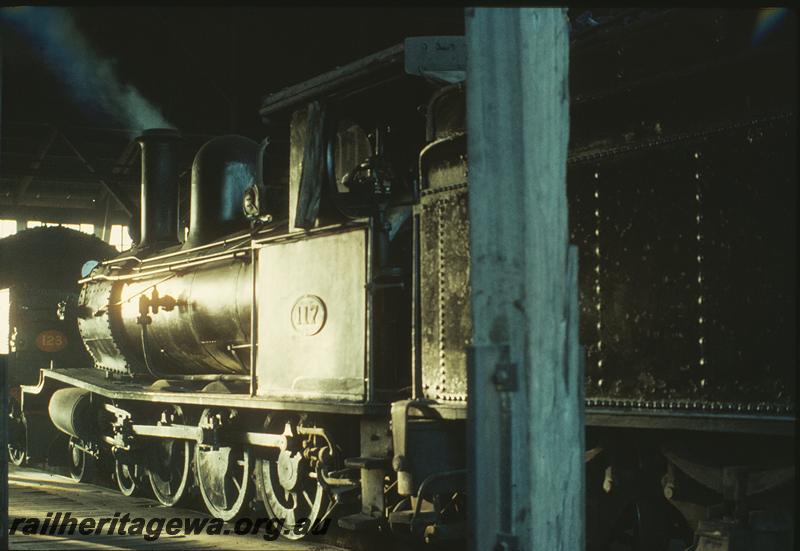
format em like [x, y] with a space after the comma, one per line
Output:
[91, 79]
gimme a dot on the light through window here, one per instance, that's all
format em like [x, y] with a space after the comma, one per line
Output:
[85, 228]
[7, 227]
[5, 311]
[119, 237]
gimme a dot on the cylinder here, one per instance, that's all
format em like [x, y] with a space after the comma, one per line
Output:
[159, 205]
[71, 412]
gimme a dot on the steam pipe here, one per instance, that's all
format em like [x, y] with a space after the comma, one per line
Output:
[262, 147]
[223, 243]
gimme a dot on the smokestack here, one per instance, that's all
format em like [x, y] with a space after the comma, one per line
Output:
[159, 206]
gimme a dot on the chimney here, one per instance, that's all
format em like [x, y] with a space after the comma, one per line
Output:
[159, 205]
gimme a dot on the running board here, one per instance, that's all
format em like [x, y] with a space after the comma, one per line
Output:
[96, 382]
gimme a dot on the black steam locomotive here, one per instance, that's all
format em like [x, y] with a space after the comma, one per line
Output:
[308, 340]
[42, 302]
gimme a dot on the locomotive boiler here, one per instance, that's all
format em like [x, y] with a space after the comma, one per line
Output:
[159, 309]
[308, 340]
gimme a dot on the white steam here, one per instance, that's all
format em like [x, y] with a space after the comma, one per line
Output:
[92, 79]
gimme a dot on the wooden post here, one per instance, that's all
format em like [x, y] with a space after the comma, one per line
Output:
[526, 387]
[4, 452]
[3, 404]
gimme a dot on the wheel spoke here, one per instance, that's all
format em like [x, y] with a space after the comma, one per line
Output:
[291, 520]
[308, 498]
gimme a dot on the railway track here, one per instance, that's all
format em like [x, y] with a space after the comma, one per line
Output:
[35, 493]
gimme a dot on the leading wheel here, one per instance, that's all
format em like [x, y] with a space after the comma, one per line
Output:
[287, 485]
[129, 477]
[169, 462]
[223, 473]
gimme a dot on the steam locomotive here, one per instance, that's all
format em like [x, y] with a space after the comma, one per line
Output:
[42, 300]
[307, 341]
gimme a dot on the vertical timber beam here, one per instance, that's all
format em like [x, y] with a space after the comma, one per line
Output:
[525, 418]
[3, 401]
